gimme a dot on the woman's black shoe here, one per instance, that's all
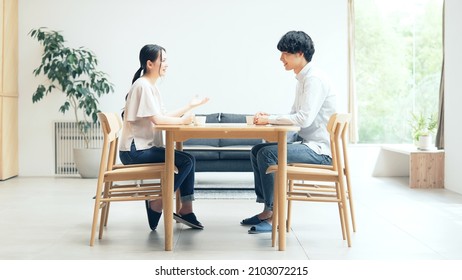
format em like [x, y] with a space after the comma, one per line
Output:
[153, 216]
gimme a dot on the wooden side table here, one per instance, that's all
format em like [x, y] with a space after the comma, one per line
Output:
[424, 168]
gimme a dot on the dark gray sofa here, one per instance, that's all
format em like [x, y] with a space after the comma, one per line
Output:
[221, 155]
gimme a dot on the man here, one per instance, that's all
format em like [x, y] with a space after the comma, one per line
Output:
[313, 105]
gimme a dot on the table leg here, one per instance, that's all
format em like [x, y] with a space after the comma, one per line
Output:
[167, 191]
[179, 147]
[282, 195]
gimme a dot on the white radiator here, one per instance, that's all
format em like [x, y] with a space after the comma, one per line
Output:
[67, 137]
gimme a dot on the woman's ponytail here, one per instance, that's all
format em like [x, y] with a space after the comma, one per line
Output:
[137, 74]
[135, 77]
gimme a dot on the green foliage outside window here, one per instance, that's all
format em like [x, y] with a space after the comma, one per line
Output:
[398, 66]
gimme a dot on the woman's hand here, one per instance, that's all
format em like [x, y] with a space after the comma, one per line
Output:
[196, 101]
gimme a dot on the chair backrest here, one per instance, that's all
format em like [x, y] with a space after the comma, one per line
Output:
[111, 126]
[337, 128]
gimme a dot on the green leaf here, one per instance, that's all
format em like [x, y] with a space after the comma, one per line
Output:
[65, 107]
[38, 94]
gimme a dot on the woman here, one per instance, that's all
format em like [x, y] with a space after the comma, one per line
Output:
[141, 143]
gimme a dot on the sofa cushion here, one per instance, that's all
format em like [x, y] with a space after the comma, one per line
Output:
[223, 165]
[239, 142]
[204, 155]
[202, 142]
[235, 155]
[210, 118]
[232, 118]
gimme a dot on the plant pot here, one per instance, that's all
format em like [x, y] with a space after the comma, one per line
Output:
[425, 142]
[87, 162]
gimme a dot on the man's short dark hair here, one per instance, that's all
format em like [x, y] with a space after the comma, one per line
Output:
[297, 42]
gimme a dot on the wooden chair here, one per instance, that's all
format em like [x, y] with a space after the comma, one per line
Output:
[293, 185]
[323, 183]
[118, 183]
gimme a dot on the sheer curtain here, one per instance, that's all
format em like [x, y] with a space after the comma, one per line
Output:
[352, 107]
[439, 141]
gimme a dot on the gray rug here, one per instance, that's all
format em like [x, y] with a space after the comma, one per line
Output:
[224, 194]
[224, 185]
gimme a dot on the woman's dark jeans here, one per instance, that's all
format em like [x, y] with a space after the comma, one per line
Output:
[185, 163]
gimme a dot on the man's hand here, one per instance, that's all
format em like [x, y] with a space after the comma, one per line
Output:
[261, 118]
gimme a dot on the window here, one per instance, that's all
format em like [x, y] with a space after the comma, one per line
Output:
[398, 66]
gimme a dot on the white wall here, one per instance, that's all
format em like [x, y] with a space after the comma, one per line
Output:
[224, 49]
[453, 96]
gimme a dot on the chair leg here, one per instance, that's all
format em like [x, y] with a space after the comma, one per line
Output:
[340, 211]
[352, 213]
[346, 172]
[342, 220]
[102, 220]
[93, 225]
[350, 200]
[289, 206]
[106, 215]
[104, 209]
[345, 212]
[107, 187]
[95, 213]
[275, 211]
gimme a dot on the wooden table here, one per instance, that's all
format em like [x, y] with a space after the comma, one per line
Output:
[271, 133]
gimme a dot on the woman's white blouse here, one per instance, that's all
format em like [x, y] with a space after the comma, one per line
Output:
[143, 102]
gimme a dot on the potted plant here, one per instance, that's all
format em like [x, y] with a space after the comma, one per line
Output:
[423, 127]
[73, 72]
